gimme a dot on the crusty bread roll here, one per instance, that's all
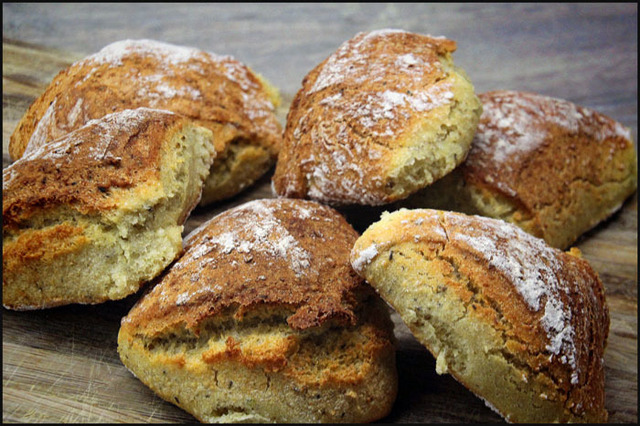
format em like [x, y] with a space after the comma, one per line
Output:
[384, 116]
[264, 320]
[521, 324]
[218, 92]
[551, 167]
[91, 216]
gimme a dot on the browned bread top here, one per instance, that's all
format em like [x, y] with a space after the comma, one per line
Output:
[282, 254]
[213, 90]
[359, 117]
[85, 169]
[531, 148]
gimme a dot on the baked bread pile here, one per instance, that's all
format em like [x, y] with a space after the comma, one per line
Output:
[274, 310]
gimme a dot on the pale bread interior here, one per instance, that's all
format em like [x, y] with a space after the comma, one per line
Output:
[440, 142]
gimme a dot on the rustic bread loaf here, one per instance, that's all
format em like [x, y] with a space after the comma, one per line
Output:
[264, 320]
[521, 324]
[218, 92]
[91, 216]
[551, 167]
[385, 115]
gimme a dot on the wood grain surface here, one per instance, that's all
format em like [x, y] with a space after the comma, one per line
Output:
[61, 365]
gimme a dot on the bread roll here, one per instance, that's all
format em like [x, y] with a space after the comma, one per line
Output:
[551, 167]
[263, 320]
[218, 92]
[521, 324]
[91, 216]
[385, 115]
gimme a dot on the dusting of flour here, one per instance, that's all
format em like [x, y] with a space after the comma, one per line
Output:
[515, 124]
[382, 92]
[157, 84]
[256, 229]
[533, 268]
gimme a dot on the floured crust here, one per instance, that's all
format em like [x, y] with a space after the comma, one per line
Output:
[217, 92]
[552, 167]
[273, 252]
[521, 324]
[515, 126]
[263, 319]
[80, 212]
[383, 116]
[553, 158]
[119, 152]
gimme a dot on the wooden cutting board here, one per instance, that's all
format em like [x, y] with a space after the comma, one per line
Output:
[61, 365]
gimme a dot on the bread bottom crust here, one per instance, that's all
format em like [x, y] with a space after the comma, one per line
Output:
[89, 267]
[270, 373]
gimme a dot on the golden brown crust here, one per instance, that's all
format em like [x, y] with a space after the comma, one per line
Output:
[282, 254]
[547, 307]
[351, 128]
[548, 157]
[81, 169]
[217, 92]
[44, 245]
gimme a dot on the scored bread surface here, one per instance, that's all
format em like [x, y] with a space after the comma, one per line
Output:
[553, 168]
[263, 319]
[218, 92]
[521, 324]
[385, 115]
[91, 216]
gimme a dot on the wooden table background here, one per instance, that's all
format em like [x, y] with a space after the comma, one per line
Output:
[61, 365]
